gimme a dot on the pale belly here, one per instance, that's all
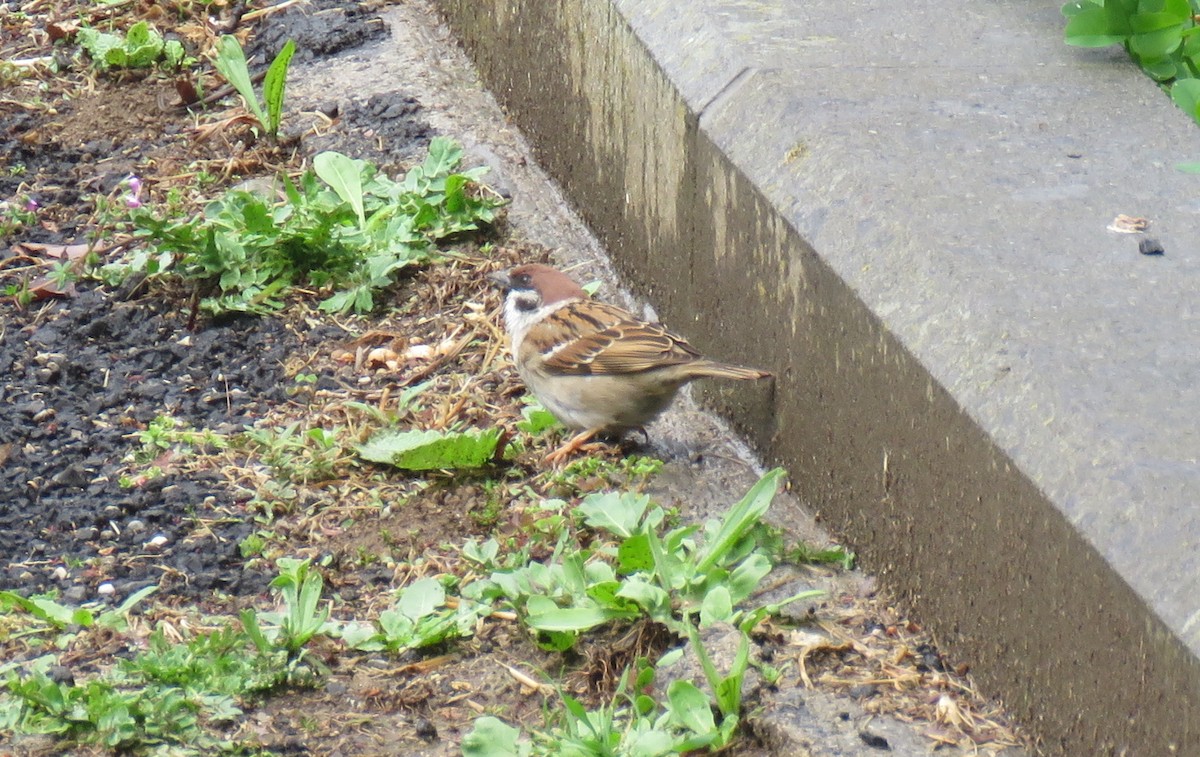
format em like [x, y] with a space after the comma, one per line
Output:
[602, 402]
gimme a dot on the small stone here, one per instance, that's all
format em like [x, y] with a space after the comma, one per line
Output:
[874, 740]
[106, 589]
[426, 731]
[87, 533]
[135, 525]
[1151, 246]
[61, 674]
[60, 573]
[73, 476]
[74, 595]
[44, 415]
[158, 542]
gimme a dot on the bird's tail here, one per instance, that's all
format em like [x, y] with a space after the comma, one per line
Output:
[711, 369]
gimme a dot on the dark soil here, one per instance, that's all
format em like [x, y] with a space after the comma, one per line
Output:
[319, 28]
[83, 376]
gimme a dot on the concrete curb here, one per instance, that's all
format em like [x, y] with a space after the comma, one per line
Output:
[904, 217]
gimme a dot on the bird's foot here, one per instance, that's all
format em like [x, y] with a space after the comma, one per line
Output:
[573, 445]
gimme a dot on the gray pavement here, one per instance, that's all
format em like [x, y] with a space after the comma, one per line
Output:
[903, 211]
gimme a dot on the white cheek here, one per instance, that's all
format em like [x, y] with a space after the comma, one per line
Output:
[518, 321]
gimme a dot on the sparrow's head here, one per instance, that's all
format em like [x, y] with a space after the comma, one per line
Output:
[533, 291]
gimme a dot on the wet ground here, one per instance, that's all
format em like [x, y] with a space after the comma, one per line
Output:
[87, 371]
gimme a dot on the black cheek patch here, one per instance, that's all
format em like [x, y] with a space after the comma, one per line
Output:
[527, 304]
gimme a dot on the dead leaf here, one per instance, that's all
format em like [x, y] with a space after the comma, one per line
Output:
[62, 29]
[44, 288]
[204, 131]
[186, 90]
[1124, 224]
[68, 251]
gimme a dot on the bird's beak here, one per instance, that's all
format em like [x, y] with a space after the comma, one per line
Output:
[500, 279]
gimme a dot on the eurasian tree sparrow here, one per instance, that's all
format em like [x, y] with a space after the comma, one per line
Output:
[595, 366]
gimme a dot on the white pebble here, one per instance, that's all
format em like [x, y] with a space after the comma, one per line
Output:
[106, 589]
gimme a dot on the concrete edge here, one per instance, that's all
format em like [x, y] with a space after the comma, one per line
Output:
[888, 456]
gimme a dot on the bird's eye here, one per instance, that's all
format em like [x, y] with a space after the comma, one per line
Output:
[522, 281]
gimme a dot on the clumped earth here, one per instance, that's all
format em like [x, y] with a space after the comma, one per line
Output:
[92, 510]
[83, 375]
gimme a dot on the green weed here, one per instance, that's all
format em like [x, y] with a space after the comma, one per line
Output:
[231, 62]
[343, 229]
[141, 47]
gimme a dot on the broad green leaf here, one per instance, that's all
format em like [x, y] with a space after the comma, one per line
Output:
[634, 555]
[1186, 95]
[344, 175]
[653, 599]
[616, 512]
[432, 450]
[717, 607]
[492, 737]
[575, 619]
[231, 62]
[1091, 28]
[1174, 13]
[741, 518]
[444, 155]
[1161, 69]
[143, 45]
[273, 87]
[605, 595]
[650, 743]
[173, 53]
[744, 578]
[690, 707]
[1156, 44]
[535, 420]
[421, 598]
[98, 45]
[361, 636]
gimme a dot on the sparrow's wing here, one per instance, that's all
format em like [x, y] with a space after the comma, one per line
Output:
[589, 337]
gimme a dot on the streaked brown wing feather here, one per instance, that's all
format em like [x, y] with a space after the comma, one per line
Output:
[607, 340]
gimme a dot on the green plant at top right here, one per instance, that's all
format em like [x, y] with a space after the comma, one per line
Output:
[1161, 35]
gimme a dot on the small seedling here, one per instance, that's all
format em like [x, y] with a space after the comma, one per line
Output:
[141, 47]
[417, 619]
[231, 62]
[302, 618]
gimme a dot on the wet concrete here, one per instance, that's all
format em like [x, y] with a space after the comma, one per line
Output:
[904, 215]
